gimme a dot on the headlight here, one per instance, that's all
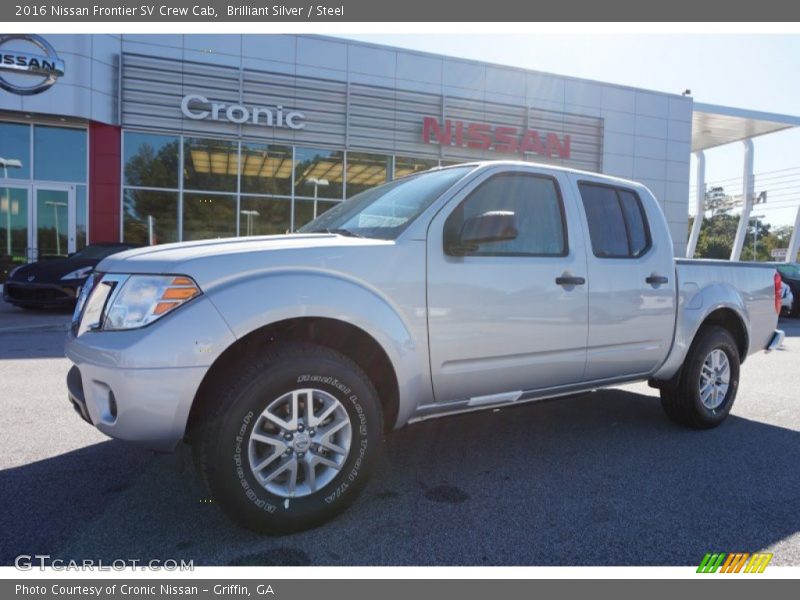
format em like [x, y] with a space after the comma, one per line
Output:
[143, 299]
[78, 274]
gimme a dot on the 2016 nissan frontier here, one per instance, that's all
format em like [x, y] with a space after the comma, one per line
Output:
[282, 360]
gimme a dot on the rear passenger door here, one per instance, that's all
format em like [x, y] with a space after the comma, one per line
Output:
[631, 280]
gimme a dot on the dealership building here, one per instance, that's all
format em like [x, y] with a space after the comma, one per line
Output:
[163, 138]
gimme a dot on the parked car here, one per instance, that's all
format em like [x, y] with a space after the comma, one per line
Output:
[790, 274]
[283, 359]
[55, 282]
[787, 299]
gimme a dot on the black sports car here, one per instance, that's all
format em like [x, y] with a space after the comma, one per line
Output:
[790, 274]
[55, 282]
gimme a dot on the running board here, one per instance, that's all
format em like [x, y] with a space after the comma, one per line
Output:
[495, 398]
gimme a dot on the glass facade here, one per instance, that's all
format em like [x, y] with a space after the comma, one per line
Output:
[208, 216]
[39, 166]
[225, 187]
[366, 170]
[151, 160]
[15, 150]
[318, 173]
[59, 154]
[149, 216]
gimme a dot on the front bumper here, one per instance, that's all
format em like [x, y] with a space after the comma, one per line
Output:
[139, 385]
[147, 406]
[40, 294]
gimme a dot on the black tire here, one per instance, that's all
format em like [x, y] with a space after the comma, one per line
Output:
[681, 397]
[220, 442]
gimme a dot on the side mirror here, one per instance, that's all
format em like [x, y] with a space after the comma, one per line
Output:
[492, 226]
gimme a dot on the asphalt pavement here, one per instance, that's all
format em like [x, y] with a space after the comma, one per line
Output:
[600, 479]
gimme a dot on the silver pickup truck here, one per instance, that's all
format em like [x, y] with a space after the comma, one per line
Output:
[283, 360]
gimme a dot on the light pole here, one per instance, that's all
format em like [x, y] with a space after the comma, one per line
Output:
[250, 214]
[14, 164]
[755, 236]
[317, 184]
[55, 206]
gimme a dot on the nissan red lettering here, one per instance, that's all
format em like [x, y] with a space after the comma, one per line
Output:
[483, 136]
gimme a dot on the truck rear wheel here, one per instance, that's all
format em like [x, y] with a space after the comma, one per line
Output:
[704, 391]
[291, 440]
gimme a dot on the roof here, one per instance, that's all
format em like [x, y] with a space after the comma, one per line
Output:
[714, 125]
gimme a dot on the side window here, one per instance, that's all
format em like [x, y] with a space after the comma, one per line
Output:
[536, 204]
[634, 217]
[617, 225]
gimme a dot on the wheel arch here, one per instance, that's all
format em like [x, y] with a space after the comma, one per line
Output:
[338, 335]
[691, 322]
[730, 320]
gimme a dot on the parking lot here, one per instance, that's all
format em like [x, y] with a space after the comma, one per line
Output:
[600, 479]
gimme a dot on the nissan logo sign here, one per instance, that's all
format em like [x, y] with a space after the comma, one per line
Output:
[197, 107]
[43, 65]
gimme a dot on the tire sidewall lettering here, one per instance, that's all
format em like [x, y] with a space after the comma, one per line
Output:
[242, 463]
[258, 496]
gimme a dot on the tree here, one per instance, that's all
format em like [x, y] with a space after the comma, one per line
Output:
[716, 201]
[717, 235]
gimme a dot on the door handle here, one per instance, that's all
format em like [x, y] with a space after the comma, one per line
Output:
[570, 280]
[657, 280]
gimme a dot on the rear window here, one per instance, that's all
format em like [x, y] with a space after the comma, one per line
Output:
[617, 223]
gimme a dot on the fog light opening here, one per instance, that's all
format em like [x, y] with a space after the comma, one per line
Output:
[112, 405]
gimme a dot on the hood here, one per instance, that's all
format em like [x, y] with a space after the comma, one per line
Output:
[236, 253]
[51, 271]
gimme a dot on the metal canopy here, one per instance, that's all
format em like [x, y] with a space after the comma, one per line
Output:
[714, 125]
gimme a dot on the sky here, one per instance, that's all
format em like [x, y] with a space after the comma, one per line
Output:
[757, 72]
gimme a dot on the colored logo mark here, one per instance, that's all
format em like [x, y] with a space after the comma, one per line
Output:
[734, 562]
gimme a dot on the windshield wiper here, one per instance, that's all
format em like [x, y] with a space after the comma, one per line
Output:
[340, 231]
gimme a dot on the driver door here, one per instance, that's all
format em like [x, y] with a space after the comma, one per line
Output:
[499, 322]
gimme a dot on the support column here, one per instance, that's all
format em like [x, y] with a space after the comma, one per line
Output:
[794, 243]
[748, 189]
[699, 203]
[104, 182]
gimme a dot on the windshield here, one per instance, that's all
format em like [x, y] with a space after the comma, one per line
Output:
[791, 271]
[385, 211]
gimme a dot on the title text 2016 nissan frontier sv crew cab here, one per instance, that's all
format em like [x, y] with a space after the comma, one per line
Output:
[283, 359]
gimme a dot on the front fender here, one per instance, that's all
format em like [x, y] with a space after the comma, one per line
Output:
[254, 302]
[694, 307]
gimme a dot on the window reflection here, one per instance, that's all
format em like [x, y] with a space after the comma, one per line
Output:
[143, 209]
[208, 216]
[81, 217]
[406, 165]
[151, 160]
[264, 216]
[318, 173]
[266, 169]
[365, 171]
[13, 228]
[15, 151]
[59, 153]
[210, 164]
[306, 211]
[52, 223]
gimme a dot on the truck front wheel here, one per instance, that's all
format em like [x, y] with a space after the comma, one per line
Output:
[703, 393]
[291, 440]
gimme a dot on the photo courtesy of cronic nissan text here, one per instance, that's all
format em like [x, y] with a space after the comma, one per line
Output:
[356, 294]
